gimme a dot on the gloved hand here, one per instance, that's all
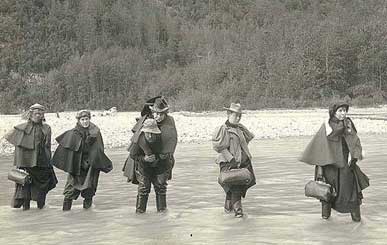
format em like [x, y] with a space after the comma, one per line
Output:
[163, 156]
[233, 163]
[319, 173]
[352, 163]
[150, 158]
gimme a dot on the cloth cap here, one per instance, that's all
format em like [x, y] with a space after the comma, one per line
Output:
[150, 126]
[37, 107]
[83, 113]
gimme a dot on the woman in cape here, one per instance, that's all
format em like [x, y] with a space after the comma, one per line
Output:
[230, 141]
[80, 153]
[32, 141]
[336, 150]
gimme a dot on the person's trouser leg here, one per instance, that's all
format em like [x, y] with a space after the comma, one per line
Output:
[141, 203]
[143, 190]
[88, 194]
[27, 196]
[355, 214]
[325, 210]
[18, 196]
[160, 184]
[70, 194]
[41, 200]
[227, 203]
[237, 203]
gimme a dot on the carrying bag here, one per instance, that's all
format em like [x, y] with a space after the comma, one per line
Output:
[319, 190]
[239, 176]
[19, 176]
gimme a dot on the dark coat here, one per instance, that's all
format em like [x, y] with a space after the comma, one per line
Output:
[68, 155]
[332, 154]
[26, 151]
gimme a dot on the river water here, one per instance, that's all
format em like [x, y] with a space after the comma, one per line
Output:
[277, 212]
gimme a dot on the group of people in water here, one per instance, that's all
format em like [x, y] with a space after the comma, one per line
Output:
[80, 153]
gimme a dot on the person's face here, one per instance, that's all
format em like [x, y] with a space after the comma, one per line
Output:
[37, 116]
[341, 113]
[158, 116]
[84, 121]
[234, 117]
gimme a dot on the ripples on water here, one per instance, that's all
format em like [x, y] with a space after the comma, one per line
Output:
[277, 210]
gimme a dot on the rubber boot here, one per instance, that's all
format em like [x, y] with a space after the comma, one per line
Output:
[27, 197]
[87, 202]
[325, 210]
[141, 203]
[26, 204]
[355, 214]
[41, 200]
[237, 204]
[17, 203]
[161, 202]
[227, 203]
[67, 203]
[17, 199]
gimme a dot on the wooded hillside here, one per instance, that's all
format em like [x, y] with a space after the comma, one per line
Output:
[200, 54]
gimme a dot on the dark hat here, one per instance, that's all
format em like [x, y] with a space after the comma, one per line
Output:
[333, 108]
[160, 105]
[234, 107]
[83, 113]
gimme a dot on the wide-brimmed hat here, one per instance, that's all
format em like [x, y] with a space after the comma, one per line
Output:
[235, 107]
[83, 113]
[37, 107]
[160, 105]
[150, 126]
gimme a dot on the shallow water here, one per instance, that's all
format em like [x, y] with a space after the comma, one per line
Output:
[277, 212]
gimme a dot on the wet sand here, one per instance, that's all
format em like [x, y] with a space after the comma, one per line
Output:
[277, 212]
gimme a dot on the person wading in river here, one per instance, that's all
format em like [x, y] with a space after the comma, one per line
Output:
[80, 153]
[336, 162]
[32, 141]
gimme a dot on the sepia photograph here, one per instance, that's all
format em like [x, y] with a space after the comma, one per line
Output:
[193, 122]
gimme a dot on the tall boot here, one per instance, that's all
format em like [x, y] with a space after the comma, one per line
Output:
[67, 203]
[141, 203]
[161, 202]
[18, 197]
[325, 210]
[237, 204]
[27, 197]
[87, 202]
[41, 200]
[355, 214]
[26, 204]
[227, 203]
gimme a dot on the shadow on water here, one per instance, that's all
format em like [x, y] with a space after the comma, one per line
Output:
[277, 210]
